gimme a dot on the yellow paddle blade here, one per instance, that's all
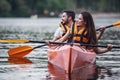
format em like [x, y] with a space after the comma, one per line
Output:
[117, 24]
[14, 41]
[20, 51]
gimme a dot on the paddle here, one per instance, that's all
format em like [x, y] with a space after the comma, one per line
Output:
[24, 50]
[16, 41]
[116, 24]
[20, 41]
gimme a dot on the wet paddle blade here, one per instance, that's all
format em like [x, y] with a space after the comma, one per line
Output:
[14, 41]
[117, 24]
[20, 51]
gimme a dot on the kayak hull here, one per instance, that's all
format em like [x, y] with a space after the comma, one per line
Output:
[88, 72]
[70, 58]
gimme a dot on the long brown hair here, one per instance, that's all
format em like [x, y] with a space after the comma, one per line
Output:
[89, 23]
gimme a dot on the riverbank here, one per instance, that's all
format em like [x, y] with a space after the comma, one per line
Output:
[106, 15]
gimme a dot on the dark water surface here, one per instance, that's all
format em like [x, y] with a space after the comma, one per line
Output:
[35, 66]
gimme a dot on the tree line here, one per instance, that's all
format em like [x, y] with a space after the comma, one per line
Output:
[25, 8]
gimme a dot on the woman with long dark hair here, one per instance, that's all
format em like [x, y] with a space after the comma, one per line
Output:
[84, 33]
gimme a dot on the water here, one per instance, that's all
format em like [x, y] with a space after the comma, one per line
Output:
[35, 65]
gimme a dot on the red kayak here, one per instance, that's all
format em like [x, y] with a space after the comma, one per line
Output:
[70, 58]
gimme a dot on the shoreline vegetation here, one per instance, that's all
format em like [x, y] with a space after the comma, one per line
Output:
[95, 15]
[106, 15]
[52, 8]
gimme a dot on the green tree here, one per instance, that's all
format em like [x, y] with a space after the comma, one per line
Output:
[58, 5]
[23, 8]
[19, 8]
[5, 8]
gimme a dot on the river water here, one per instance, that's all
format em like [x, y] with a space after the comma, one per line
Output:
[35, 66]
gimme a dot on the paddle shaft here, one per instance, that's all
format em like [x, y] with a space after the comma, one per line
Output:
[26, 41]
[104, 46]
[21, 51]
[106, 27]
[39, 46]
[115, 24]
[59, 43]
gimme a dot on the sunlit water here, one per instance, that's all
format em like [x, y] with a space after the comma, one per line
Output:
[35, 65]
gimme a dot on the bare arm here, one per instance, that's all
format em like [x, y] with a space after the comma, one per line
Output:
[65, 37]
[101, 31]
[103, 50]
[58, 34]
[55, 38]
